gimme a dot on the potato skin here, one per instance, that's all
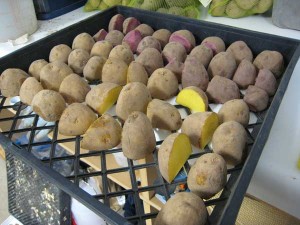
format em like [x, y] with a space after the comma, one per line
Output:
[115, 71]
[222, 89]
[145, 30]
[184, 208]
[122, 52]
[208, 175]
[162, 35]
[132, 40]
[266, 81]
[240, 51]
[148, 42]
[115, 37]
[215, 43]
[174, 51]
[184, 37]
[138, 139]
[29, 89]
[76, 119]
[130, 24]
[101, 48]
[60, 53]
[256, 98]
[11, 81]
[151, 59]
[104, 133]
[176, 67]
[203, 54]
[41, 105]
[116, 23]
[127, 101]
[137, 73]
[77, 60]
[83, 41]
[74, 89]
[223, 64]
[163, 115]
[93, 68]
[229, 141]
[245, 74]
[162, 84]
[36, 67]
[53, 74]
[235, 110]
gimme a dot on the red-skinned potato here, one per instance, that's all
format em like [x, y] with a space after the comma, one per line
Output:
[266, 81]
[215, 43]
[176, 67]
[256, 98]
[223, 64]
[145, 30]
[184, 37]
[174, 51]
[100, 35]
[240, 51]
[148, 42]
[245, 74]
[116, 23]
[130, 24]
[203, 54]
[151, 59]
[132, 40]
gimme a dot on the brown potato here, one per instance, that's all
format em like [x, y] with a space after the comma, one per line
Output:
[76, 119]
[176, 67]
[74, 89]
[104, 133]
[30, 87]
[163, 115]
[208, 175]
[77, 60]
[215, 43]
[11, 81]
[122, 52]
[128, 102]
[151, 59]
[60, 53]
[93, 68]
[223, 64]
[266, 81]
[115, 37]
[36, 67]
[240, 51]
[245, 74]
[174, 51]
[138, 139]
[184, 37]
[184, 208]
[256, 98]
[229, 141]
[137, 73]
[203, 54]
[148, 42]
[115, 71]
[162, 35]
[101, 48]
[49, 105]
[162, 84]
[235, 110]
[145, 30]
[222, 89]
[83, 41]
[53, 74]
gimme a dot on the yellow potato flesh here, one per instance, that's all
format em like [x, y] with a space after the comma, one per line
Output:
[210, 125]
[110, 100]
[181, 151]
[192, 100]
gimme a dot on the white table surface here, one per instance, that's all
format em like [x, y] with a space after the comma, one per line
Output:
[276, 179]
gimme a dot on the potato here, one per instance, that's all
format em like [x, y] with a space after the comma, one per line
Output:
[137, 73]
[184, 37]
[115, 37]
[266, 81]
[176, 11]
[74, 89]
[240, 51]
[11, 81]
[148, 42]
[208, 175]
[30, 87]
[246, 4]
[172, 155]
[235, 110]
[176, 67]
[60, 53]
[262, 6]
[217, 7]
[184, 208]
[132, 40]
[162, 35]
[256, 98]
[162, 84]
[163, 115]
[103, 96]
[138, 139]
[193, 98]
[115, 71]
[104, 133]
[93, 68]
[83, 41]
[48, 104]
[245, 74]
[174, 51]
[151, 59]
[223, 64]
[203, 54]
[100, 35]
[122, 52]
[194, 74]
[221, 90]
[145, 30]
[77, 60]
[229, 141]
[53, 74]
[234, 11]
[101, 48]
[215, 43]
[271, 60]
[130, 24]
[128, 102]
[116, 23]
[199, 127]
[36, 67]
[76, 119]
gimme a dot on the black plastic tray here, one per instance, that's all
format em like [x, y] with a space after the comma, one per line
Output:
[227, 205]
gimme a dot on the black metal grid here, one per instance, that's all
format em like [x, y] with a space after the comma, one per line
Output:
[226, 206]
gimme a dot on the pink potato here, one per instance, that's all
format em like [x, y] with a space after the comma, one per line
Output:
[100, 35]
[145, 30]
[115, 37]
[216, 44]
[223, 64]
[116, 23]
[174, 51]
[240, 51]
[148, 42]
[203, 54]
[132, 39]
[184, 37]
[151, 59]
[130, 24]
[176, 67]
[245, 74]
[256, 98]
[266, 81]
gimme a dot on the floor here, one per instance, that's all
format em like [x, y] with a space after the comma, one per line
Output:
[3, 192]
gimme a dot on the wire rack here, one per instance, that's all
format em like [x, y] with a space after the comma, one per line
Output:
[225, 206]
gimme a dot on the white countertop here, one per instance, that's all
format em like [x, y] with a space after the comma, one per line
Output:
[276, 179]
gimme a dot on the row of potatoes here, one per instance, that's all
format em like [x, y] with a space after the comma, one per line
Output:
[140, 86]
